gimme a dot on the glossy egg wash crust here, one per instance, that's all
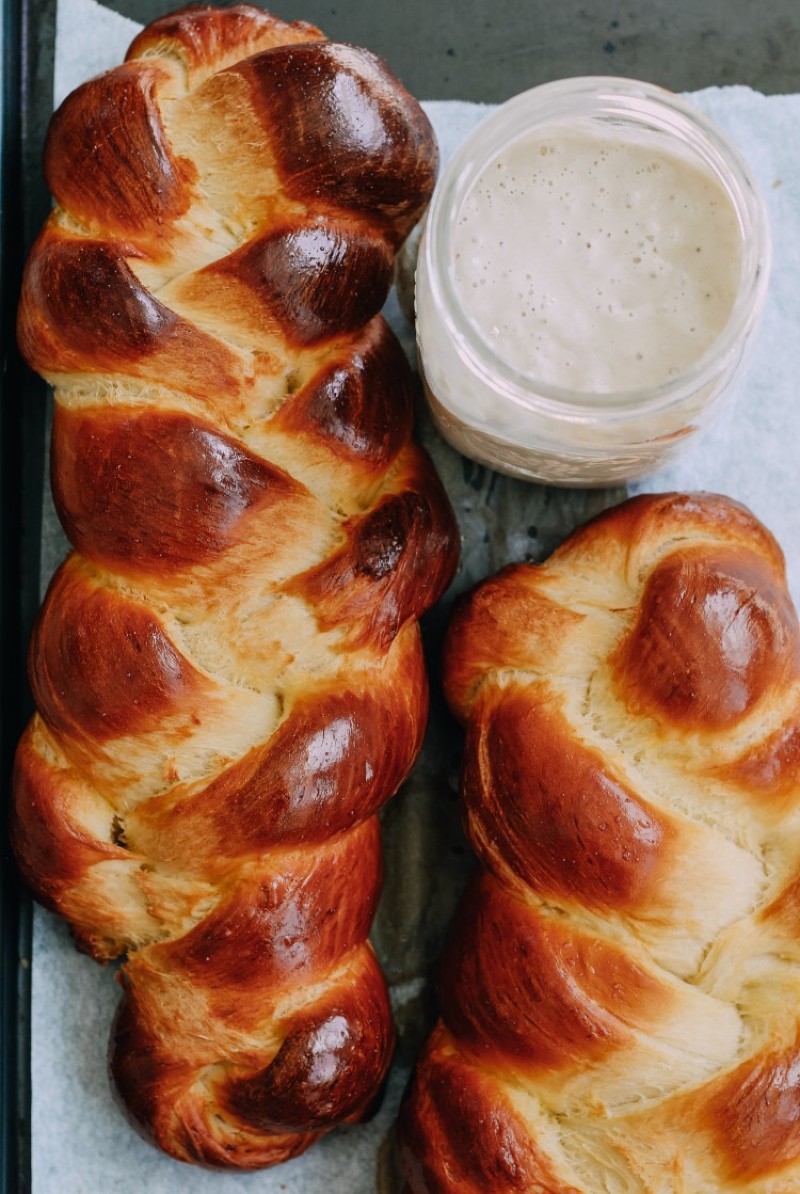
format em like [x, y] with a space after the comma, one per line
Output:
[619, 993]
[227, 668]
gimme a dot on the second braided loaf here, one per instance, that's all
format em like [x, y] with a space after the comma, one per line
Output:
[619, 997]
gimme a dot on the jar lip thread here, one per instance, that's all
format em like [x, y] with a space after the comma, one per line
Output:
[636, 103]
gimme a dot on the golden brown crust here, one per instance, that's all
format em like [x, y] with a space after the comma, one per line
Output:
[307, 278]
[208, 39]
[460, 1133]
[119, 175]
[537, 994]
[376, 164]
[714, 634]
[227, 669]
[360, 402]
[547, 810]
[754, 1115]
[63, 329]
[620, 987]
[159, 490]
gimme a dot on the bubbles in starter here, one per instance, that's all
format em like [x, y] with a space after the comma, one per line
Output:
[596, 264]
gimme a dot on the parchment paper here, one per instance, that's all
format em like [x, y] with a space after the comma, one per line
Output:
[81, 1142]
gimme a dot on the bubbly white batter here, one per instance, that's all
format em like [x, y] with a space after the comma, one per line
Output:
[596, 264]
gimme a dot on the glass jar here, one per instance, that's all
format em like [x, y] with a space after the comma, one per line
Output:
[509, 415]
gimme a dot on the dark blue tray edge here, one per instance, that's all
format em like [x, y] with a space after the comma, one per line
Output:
[28, 39]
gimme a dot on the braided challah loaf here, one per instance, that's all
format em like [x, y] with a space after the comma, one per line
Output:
[227, 669]
[619, 997]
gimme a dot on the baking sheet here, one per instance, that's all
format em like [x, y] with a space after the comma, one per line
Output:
[81, 1141]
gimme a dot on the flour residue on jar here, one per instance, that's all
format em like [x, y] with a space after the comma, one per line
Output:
[596, 264]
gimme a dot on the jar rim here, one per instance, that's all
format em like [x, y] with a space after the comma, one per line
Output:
[610, 99]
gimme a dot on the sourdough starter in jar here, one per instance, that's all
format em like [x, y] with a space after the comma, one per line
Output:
[594, 264]
[592, 269]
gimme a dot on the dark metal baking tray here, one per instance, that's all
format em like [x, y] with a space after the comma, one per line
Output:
[469, 50]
